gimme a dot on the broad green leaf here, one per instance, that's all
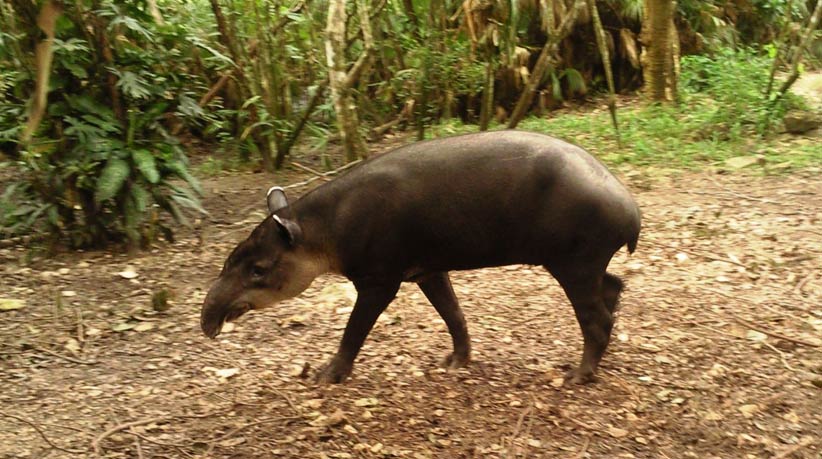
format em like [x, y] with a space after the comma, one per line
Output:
[141, 197]
[111, 180]
[251, 100]
[145, 162]
[181, 171]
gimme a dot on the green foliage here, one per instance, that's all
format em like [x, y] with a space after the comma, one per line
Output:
[102, 164]
[722, 114]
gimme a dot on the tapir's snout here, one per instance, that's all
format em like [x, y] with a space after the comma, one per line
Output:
[217, 310]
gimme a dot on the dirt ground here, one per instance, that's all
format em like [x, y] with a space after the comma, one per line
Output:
[716, 352]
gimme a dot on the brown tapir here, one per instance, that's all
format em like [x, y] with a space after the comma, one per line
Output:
[422, 210]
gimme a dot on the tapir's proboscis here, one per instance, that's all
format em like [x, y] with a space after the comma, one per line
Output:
[418, 212]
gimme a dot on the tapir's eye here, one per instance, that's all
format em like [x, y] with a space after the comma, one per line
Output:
[258, 271]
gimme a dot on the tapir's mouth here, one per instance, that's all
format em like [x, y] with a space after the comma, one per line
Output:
[237, 310]
[212, 324]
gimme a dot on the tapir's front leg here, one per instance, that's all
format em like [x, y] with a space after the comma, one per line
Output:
[371, 302]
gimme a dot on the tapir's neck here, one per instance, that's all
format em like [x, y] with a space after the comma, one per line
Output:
[317, 240]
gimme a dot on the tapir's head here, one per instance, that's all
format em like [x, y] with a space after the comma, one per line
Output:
[271, 265]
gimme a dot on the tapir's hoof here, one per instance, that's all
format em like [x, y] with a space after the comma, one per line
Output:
[335, 371]
[579, 376]
[453, 361]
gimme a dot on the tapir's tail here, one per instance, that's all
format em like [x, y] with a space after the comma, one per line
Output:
[632, 243]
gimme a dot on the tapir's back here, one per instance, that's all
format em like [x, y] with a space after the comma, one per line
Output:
[478, 200]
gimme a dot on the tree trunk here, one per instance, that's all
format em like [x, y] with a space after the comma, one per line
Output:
[487, 106]
[341, 81]
[657, 39]
[544, 62]
[155, 12]
[796, 59]
[606, 63]
[44, 53]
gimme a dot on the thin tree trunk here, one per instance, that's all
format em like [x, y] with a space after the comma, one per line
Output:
[544, 61]
[44, 54]
[285, 148]
[487, 106]
[606, 63]
[777, 59]
[806, 40]
[155, 12]
[341, 81]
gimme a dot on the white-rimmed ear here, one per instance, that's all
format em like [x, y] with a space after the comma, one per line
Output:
[275, 197]
[290, 230]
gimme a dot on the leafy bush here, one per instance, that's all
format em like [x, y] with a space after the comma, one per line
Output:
[728, 88]
[102, 164]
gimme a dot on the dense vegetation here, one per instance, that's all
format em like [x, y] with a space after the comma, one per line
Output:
[95, 95]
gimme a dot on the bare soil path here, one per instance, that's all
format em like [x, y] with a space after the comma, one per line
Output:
[716, 353]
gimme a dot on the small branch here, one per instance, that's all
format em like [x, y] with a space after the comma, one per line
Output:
[43, 435]
[137, 443]
[281, 394]
[65, 357]
[803, 443]
[526, 412]
[306, 168]
[774, 334]
[237, 430]
[781, 357]
[324, 175]
[584, 448]
[95, 444]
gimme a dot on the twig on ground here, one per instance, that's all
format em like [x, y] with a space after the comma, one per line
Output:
[324, 175]
[137, 443]
[212, 442]
[306, 168]
[64, 357]
[95, 444]
[774, 334]
[517, 427]
[787, 452]
[801, 284]
[584, 448]
[81, 327]
[43, 435]
[782, 358]
[281, 394]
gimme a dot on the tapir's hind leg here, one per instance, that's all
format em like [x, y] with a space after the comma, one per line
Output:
[437, 288]
[611, 289]
[594, 294]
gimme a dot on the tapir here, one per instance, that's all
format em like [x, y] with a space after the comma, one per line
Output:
[422, 210]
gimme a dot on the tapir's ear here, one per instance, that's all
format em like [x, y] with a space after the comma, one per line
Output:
[276, 199]
[289, 228]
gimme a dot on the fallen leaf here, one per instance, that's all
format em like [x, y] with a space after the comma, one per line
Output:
[122, 326]
[616, 432]
[336, 418]
[713, 416]
[740, 162]
[227, 372]
[754, 335]
[370, 401]
[9, 304]
[748, 410]
[128, 273]
[144, 326]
